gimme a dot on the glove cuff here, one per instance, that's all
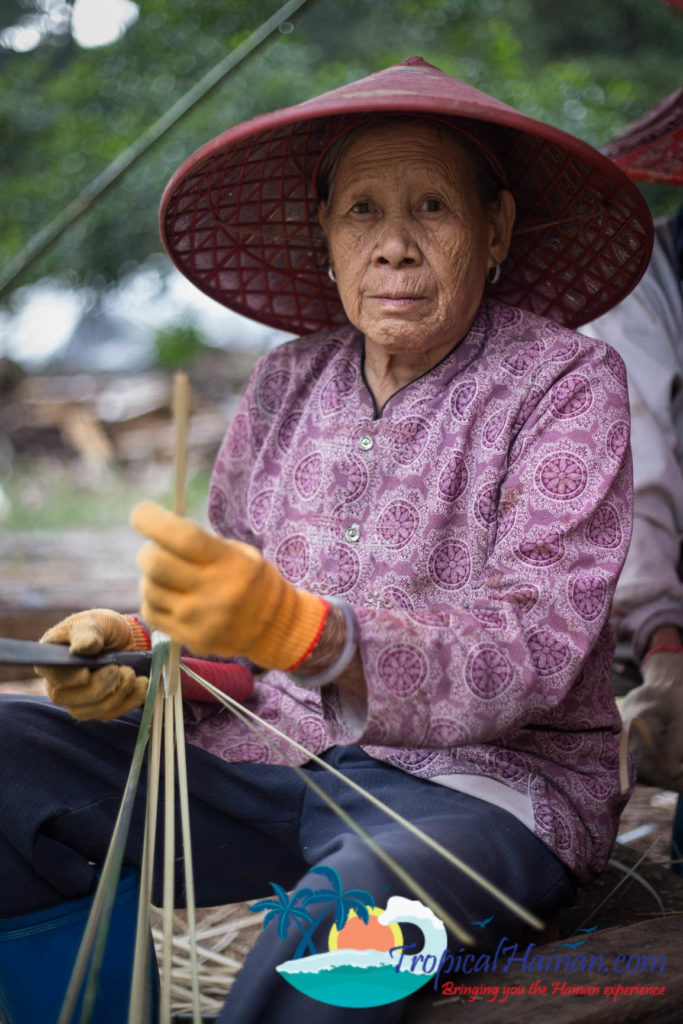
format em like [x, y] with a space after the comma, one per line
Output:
[662, 649]
[140, 640]
[293, 623]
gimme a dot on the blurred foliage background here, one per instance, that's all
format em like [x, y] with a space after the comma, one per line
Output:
[66, 111]
[74, 98]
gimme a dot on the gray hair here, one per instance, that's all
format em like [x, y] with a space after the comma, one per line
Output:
[488, 176]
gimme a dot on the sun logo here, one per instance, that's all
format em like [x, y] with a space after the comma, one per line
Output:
[356, 934]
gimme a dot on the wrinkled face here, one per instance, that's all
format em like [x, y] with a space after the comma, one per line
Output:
[409, 238]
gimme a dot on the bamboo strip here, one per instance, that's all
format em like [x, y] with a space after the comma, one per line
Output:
[187, 852]
[138, 1007]
[181, 428]
[174, 744]
[91, 949]
[169, 858]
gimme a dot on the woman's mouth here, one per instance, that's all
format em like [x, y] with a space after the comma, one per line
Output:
[401, 300]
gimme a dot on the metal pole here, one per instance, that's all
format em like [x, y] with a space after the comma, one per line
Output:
[47, 236]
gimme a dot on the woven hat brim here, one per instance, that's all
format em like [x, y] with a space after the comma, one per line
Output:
[239, 216]
[651, 149]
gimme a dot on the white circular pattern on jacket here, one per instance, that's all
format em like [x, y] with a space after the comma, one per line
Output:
[588, 596]
[251, 751]
[287, 429]
[549, 652]
[337, 388]
[565, 742]
[308, 475]
[453, 478]
[351, 477]
[272, 390]
[615, 365]
[446, 731]
[486, 504]
[240, 437]
[403, 669]
[488, 671]
[449, 564]
[461, 397]
[542, 551]
[564, 351]
[494, 429]
[528, 407]
[617, 439]
[555, 824]
[604, 528]
[561, 476]
[519, 363]
[347, 569]
[571, 396]
[259, 508]
[311, 733]
[511, 767]
[397, 524]
[396, 597]
[292, 558]
[415, 761]
[609, 754]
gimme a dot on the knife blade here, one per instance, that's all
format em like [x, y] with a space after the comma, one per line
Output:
[30, 652]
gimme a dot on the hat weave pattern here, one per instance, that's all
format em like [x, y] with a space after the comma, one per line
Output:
[239, 218]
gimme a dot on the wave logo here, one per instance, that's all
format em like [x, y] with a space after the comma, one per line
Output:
[365, 963]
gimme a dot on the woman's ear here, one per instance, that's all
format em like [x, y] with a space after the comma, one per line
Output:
[502, 223]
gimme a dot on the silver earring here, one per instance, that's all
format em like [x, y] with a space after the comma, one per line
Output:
[330, 274]
[493, 274]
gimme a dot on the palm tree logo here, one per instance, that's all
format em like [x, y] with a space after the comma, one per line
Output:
[287, 909]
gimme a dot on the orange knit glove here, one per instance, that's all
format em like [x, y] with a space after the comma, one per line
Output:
[221, 596]
[109, 691]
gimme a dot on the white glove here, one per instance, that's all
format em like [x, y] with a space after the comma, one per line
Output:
[654, 711]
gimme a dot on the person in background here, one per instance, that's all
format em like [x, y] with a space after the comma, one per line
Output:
[646, 328]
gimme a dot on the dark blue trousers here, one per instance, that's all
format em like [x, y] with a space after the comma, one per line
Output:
[61, 783]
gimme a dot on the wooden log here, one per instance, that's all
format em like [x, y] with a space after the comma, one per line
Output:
[636, 976]
[48, 575]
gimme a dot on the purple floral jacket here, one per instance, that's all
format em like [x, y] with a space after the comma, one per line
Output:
[477, 528]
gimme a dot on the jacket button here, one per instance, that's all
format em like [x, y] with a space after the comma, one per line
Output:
[352, 533]
[365, 443]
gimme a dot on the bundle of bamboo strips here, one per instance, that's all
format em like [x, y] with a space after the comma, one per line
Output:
[225, 936]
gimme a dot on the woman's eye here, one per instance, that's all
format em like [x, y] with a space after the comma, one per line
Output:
[363, 206]
[432, 205]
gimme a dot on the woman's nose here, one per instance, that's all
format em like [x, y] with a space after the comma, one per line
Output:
[395, 244]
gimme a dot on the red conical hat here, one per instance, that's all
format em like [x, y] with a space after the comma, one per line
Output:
[239, 218]
[651, 149]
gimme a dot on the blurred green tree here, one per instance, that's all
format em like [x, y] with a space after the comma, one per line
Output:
[176, 346]
[66, 111]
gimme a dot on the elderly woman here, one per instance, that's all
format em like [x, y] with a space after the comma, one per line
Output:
[420, 510]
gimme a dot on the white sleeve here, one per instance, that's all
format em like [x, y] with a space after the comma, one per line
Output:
[647, 331]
